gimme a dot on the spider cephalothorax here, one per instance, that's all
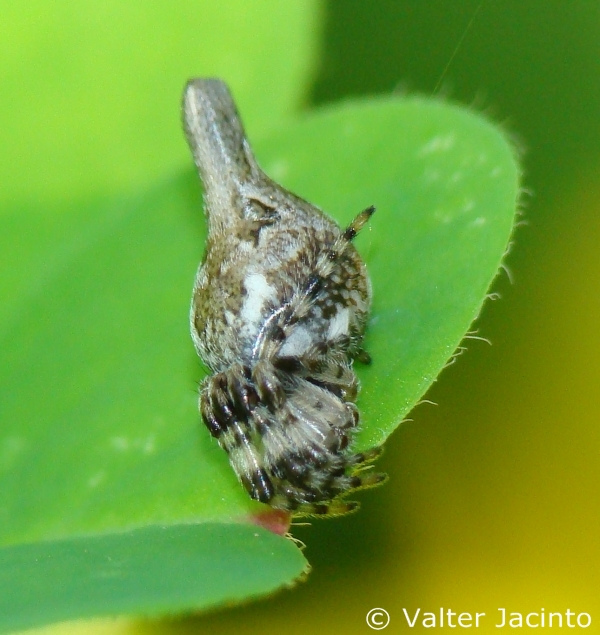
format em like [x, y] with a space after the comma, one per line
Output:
[279, 309]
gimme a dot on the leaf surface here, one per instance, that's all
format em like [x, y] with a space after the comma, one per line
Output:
[100, 436]
[149, 571]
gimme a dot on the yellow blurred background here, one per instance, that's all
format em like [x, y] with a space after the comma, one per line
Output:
[494, 494]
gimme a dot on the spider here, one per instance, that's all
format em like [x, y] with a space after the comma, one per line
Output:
[279, 308]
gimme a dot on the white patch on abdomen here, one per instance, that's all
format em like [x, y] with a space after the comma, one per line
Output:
[339, 325]
[297, 342]
[258, 291]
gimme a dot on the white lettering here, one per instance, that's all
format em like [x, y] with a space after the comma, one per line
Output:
[516, 621]
[464, 620]
[414, 621]
[429, 621]
[447, 617]
[449, 614]
[527, 621]
[552, 615]
[502, 619]
[588, 620]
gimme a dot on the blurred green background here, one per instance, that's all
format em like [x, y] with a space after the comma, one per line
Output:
[494, 494]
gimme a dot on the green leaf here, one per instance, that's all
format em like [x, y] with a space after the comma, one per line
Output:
[100, 431]
[148, 571]
[91, 92]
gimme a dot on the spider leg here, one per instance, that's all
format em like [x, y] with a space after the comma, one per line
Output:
[225, 416]
[358, 223]
[368, 456]
[363, 357]
[349, 234]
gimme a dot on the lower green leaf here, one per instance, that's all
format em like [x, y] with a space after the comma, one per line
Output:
[149, 571]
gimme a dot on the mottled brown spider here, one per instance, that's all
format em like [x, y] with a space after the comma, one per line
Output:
[279, 309]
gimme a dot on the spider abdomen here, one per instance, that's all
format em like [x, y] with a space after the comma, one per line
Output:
[278, 314]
